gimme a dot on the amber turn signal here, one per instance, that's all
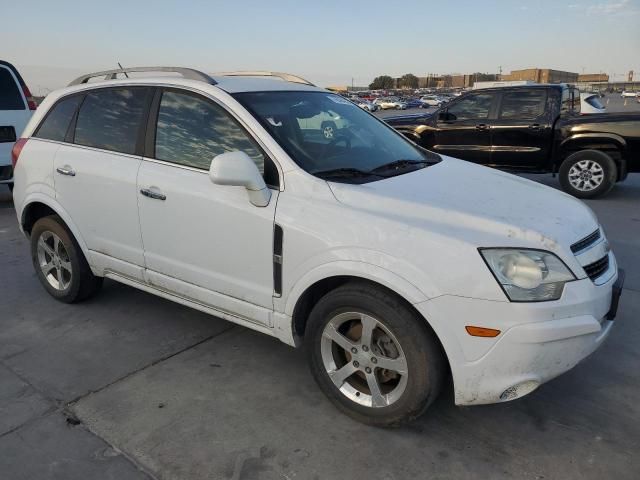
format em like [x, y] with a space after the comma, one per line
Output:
[482, 331]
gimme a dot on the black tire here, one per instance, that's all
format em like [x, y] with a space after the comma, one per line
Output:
[602, 160]
[83, 284]
[424, 358]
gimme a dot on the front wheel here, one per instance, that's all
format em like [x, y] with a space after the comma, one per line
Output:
[588, 174]
[372, 356]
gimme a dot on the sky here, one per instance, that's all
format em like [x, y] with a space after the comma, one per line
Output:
[329, 42]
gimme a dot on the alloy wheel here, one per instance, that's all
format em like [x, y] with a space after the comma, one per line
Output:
[54, 261]
[586, 175]
[364, 360]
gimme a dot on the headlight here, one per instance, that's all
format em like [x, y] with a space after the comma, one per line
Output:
[527, 275]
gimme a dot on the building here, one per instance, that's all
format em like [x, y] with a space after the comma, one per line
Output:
[541, 75]
[593, 77]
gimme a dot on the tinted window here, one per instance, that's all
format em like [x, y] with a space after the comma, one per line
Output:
[595, 102]
[10, 97]
[111, 118]
[192, 130]
[524, 104]
[471, 107]
[56, 123]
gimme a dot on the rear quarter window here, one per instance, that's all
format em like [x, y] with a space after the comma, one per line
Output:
[56, 123]
[10, 96]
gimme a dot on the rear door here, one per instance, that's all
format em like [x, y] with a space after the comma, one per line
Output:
[14, 115]
[463, 127]
[95, 178]
[521, 134]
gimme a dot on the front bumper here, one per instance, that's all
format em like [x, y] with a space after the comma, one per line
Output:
[538, 341]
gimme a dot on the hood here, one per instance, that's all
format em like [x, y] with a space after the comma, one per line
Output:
[475, 204]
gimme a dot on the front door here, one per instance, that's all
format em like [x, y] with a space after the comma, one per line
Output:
[95, 179]
[463, 128]
[204, 241]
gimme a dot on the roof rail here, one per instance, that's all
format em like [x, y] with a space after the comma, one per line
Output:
[287, 77]
[187, 73]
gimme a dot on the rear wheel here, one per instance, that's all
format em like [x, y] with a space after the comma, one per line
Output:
[329, 130]
[372, 356]
[588, 174]
[59, 262]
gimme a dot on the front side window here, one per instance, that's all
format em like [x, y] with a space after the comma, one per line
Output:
[330, 137]
[56, 123]
[111, 118]
[10, 97]
[191, 130]
[523, 104]
[471, 107]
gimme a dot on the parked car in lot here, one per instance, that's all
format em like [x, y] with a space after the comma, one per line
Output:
[395, 266]
[626, 94]
[386, 103]
[533, 128]
[590, 103]
[16, 107]
[365, 104]
[412, 103]
[431, 101]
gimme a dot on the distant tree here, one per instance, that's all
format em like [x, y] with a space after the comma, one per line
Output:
[382, 82]
[408, 80]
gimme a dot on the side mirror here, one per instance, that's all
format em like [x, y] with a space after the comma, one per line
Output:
[237, 169]
[445, 116]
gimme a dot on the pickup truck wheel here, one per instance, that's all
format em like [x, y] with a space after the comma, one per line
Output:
[59, 262]
[372, 356]
[588, 174]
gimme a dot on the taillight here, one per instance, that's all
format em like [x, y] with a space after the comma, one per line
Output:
[30, 101]
[15, 151]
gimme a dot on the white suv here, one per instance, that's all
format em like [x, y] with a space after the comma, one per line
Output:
[16, 107]
[394, 266]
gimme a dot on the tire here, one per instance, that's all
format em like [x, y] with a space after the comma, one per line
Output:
[410, 344]
[588, 174]
[78, 282]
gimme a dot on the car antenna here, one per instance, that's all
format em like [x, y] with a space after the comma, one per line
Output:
[122, 68]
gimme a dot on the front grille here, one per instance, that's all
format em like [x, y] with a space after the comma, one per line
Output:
[6, 172]
[597, 268]
[586, 242]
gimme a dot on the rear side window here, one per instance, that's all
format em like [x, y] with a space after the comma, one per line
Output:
[56, 123]
[524, 104]
[10, 96]
[192, 130]
[111, 118]
[471, 107]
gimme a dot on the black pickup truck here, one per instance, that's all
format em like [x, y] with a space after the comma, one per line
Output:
[533, 128]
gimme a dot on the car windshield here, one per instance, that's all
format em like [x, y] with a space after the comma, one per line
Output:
[330, 137]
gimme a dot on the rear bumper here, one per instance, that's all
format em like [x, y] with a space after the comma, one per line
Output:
[538, 341]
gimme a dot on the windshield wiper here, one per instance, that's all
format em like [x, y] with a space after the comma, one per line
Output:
[346, 173]
[399, 164]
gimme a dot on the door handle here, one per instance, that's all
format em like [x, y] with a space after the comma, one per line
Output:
[535, 126]
[482, 126]
[66, 171]
[151, 194]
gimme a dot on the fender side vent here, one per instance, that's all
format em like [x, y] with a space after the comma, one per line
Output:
[277, 260]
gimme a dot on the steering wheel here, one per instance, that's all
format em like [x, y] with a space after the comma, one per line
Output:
[337, 139]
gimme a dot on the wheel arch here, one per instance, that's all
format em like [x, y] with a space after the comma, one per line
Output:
[39, 206]
[611, 144]
[307, 299]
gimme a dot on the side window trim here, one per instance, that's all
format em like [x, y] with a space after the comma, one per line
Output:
[152, 126]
